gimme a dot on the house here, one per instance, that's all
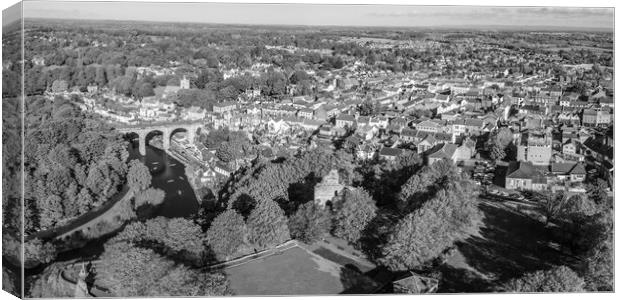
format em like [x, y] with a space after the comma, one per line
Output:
[224, 107]
[397, 124]
[570, 147]
[535, 148]
[415, 284]
[222, 169]
[409, 135]
[606, 102]
[195, 113]
[441, 98]
[367, 131]
[305, 113]
[428, 126]
[380, 122]
[252, 93]
[365, 152]
[442, 152]
[38, 61]
[524, 176]
[572, 171]
[466, 126]
[426, 143]
[92, 88]
[568, 118]
[388, 153]
[184, 83]
[328, 188]
[208, 176]
[345, 120]
[311, 125]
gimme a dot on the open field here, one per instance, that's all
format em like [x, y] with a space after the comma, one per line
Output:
[295, 271]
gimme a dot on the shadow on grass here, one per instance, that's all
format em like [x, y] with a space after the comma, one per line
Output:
[458, 280]
[509, 245]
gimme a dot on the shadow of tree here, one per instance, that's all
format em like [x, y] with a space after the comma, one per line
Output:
[458, 280]
[244, 204]
[509, 245]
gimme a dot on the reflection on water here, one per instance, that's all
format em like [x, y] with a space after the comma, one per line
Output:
[168, 175]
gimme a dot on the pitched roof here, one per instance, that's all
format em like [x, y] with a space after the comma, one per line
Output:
[346, 117]
[387, 151]
[522, 170]
[443, 151]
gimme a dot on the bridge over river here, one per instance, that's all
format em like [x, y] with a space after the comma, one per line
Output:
[166, 128]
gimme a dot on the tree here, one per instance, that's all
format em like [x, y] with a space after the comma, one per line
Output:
[422, 186]
[145, 90]
[177, 234]
[226, 234]
[597, 191]
[37, 252]
[134, 271]
[123, 84]
[298, 76]
[51, 211]
[598, 267]
[59, 86]
[267, 225]
[553, 205]
[150, 196]
[138, 177]
[225, 152]
[496, 152]
[367, 108]
[353, 213]
[451, 215]
[556, 280]
[310, 223]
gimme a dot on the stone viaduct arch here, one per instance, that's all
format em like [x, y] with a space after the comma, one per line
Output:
[167, 130]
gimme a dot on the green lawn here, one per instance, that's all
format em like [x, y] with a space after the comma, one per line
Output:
[295, 271]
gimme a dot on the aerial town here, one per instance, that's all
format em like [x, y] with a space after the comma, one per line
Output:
[192, 160]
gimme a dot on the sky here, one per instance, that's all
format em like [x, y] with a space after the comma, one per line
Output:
[11, 14]
[325, 14]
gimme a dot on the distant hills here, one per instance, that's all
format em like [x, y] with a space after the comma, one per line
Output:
[323, 27]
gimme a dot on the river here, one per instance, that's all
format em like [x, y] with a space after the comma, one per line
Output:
[168, 175]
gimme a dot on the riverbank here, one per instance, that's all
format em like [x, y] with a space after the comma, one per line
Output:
[84, 219]
[189, 173]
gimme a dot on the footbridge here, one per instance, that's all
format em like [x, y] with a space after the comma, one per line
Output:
[167, 129]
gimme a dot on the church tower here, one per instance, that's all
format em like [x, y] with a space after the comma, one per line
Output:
[184, 83]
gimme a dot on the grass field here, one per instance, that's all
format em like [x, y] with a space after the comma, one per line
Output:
[295, 271]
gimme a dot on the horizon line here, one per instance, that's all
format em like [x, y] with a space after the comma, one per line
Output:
[488, 27]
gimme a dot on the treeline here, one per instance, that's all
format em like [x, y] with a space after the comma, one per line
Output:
[73, 162]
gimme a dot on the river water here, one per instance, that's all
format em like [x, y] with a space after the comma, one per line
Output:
[168, 175]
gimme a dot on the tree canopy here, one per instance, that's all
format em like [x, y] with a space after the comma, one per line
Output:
[267, 225]
[353, 213]
[226, 233]
[132, 271]
[556, 280]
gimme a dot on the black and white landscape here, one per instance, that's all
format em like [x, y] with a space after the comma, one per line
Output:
[204, 149]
